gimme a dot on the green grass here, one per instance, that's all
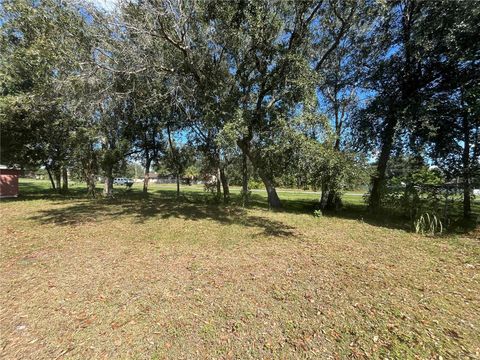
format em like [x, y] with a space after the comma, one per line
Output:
[160, 277]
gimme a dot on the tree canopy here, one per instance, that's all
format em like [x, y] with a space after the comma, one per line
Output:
[303, 94]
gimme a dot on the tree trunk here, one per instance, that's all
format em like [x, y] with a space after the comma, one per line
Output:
[408, 85]
[108, 186]
[378, 179]
[91, 190]
[146, 177]
[58, 179]
[334, 202]
[50, 177]
[244, 180]
[330, 199]
[273, 199]
[324, 196]
[64, 179]
[219, 189]
[467, 208]
[226, 189]
[174, 154]
[89, 165]
[178, 184]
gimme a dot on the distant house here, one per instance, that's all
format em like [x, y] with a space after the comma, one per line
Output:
[8, 182]
[152, 176]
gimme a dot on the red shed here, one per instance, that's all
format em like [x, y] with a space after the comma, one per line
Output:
[8, 182]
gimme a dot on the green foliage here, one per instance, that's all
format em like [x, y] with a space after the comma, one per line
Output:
[323, 166]
[178, 160]
[414, 193]
[428, 177]
[133, 171]
[424, 196]
[254, 184]
[277, 82]
[192, 171]
[37, 56]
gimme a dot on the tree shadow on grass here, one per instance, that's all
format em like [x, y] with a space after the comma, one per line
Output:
[350, 211]
[191, 205]
[359, 212]
[141, 208]
[395, 220]
[195, 204]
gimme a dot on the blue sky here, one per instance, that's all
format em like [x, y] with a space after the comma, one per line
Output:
[107, 5]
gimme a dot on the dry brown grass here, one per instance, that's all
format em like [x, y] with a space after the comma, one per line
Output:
[159, 278]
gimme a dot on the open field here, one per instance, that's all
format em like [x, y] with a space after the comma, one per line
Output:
[159, 277]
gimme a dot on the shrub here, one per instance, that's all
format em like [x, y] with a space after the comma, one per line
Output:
[254, 184]
[428, 223]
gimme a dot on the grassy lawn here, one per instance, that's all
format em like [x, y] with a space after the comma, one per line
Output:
[158, 277]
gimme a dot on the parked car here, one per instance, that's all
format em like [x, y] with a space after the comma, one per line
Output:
[123, 181]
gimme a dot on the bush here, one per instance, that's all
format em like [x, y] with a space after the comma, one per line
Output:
[424, 198]
[254, 184]
[428, 223]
